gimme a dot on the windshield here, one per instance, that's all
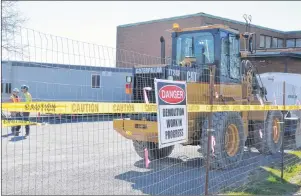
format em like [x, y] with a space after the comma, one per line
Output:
[197, 45]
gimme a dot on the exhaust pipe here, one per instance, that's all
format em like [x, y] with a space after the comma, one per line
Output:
[162, 40]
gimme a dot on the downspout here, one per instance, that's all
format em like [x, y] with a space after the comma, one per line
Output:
[162, 40]
[285, 69]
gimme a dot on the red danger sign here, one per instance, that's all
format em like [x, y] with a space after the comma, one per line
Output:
[171, 99]
[172, 94]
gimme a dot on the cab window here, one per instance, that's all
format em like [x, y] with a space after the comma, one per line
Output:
[234, 57]
[197, 45]
[230, 61]
[224, 54]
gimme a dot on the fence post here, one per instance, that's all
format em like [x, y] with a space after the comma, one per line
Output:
[282, 133]
[211, 94]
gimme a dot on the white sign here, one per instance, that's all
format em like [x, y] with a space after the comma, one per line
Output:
[172, 112]
[147, 70]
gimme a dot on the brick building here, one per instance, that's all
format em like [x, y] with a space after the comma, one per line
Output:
[282, 49]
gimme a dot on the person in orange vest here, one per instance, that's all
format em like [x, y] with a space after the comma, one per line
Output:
[15, 115]
[28, 99]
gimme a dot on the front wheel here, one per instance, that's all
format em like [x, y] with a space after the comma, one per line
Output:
[268, 135]
[227, 140]
[153, 150]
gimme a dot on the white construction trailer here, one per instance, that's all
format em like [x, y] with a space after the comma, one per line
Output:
[273, 82]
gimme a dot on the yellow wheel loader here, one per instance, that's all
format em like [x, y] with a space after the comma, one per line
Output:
[198, 53]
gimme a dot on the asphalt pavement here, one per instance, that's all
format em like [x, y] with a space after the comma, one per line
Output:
[90, 158]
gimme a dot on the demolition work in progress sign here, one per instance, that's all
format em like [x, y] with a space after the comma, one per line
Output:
[172, 112]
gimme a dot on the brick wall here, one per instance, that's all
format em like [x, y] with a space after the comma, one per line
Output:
[277, 64]
[144, 39]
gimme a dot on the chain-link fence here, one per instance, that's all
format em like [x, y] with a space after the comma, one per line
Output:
[94, 125]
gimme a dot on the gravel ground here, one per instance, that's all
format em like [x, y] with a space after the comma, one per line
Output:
[91, 158]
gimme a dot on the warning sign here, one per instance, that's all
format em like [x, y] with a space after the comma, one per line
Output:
[172, 112]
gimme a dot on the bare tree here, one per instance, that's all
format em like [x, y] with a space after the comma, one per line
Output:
[11, 22]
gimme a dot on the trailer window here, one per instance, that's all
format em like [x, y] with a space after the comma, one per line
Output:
[8, 88]
[95, 81]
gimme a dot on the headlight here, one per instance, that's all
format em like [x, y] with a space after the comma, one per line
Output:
[128, 79]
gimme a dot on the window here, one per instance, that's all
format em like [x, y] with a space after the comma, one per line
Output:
[280, 43]
[224, 54]
[234, 57]
[298, 42]
[230, 61]
[198, 45]
[8, 88]
[274, 42]
[290, 43]
[96, 81]
[262, 41]
[268, 41]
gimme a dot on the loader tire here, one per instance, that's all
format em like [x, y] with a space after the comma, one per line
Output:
[153, 151]
[227, 127]
[268, 135]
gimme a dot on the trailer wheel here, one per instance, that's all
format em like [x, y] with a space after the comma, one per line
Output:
[227, 139]
[153, 151]
[268, 135]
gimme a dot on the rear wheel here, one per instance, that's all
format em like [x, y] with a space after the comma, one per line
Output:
[153, 150]
[227, 140]
[268, 135]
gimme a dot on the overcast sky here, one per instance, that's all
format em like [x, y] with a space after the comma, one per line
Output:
[96, 21]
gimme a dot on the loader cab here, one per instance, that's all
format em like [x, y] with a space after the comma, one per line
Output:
[215, 44]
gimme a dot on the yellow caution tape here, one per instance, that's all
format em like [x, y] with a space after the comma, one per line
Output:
[115, 108]
[11, 123]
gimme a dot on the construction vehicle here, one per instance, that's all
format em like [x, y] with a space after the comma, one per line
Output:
[198, 53]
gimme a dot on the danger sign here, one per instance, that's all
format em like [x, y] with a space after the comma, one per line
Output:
[172, 112]
[172, 94]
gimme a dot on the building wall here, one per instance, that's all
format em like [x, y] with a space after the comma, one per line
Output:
[293, 35]
[62, 84]
[144, 38]
[277, 64]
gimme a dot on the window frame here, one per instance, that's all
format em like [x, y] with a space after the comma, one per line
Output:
[273, 38]
[8, 88]
[225, 71]
[296, 42]
[294, 45]
[262, 42]
[230, 50]
[179, 45]
[238, 76]
[282, 42]
[270, 46]
[94, 85]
